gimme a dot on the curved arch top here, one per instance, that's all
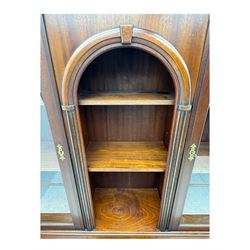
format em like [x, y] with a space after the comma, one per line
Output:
[139, 38]
[156, 45]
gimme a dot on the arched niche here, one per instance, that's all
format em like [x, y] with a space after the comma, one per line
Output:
[126, 36]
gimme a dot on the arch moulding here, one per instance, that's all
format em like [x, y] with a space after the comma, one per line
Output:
[126, 36]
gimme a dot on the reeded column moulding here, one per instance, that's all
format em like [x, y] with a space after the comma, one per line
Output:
[159, 47]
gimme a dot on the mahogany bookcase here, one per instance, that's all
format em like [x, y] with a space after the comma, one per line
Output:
[127, 98]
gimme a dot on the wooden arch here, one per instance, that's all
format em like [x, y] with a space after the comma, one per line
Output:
[126, 36]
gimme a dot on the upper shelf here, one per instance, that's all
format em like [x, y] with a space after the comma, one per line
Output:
[126, 98]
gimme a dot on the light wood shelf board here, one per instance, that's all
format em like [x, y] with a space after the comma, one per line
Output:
[122, 98]
[126, 156]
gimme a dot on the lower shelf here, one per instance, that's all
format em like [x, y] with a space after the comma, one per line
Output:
[126, 210]
[126, 156]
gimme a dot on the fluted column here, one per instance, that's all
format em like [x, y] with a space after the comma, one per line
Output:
[79, 166]
[174, 162]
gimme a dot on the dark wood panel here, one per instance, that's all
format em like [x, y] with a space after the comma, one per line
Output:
[56, 221]
[136, 73]
[196, 125]
[126, 69]
[51, 100]
[67, 234]
[168, 127]
[56, 217]
[125, 180]
[206, 135]
[125, 123]
[186, 32]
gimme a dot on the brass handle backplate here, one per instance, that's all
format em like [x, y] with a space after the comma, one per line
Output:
[192, 152]
[60, 152]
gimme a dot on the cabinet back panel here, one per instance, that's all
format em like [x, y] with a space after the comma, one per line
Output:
[125, 180]
[126, 69]
[125, 123]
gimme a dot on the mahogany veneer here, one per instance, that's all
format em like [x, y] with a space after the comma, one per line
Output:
[131, 210]
[124, 156]
[126, 94]
[121, 98]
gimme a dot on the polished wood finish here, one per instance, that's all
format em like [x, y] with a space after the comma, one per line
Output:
[170, 182]
[186, 32]
[66, 234]
[122, 98]
[126, 180]
[126, 33]
[126, 69]
[192, 222]
[196, 126]
[62, 221]
[105, 105]
[110, 39]
[56, 217]
[80, 167]
[50, 98]
[126, 123]
[188, 219]
[172, 60]
[125, 156]
[56, 221]
[131, 210]
[174, 63]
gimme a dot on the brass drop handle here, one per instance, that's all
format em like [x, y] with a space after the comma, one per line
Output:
[192, 152]
[60, 152]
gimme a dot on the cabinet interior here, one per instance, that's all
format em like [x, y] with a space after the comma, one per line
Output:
[126, 101]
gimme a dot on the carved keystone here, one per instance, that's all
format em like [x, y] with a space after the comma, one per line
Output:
[126, 33]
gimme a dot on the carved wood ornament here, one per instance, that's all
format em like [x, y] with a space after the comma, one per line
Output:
[159, 47]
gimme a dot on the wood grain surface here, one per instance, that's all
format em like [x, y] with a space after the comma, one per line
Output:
[126, 179]
[186, 32]
[128, 139]
[194, 135]
[51, 100]
[80, 234]
[126, 70]
[122, 98]
[126, 156]
[131, 210]
[126, 123]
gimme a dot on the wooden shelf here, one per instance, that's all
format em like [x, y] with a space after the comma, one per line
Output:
[121, 98]
[133, 210]
[124, 156]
